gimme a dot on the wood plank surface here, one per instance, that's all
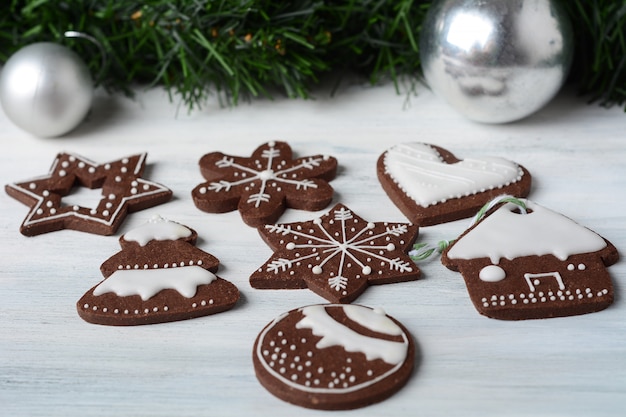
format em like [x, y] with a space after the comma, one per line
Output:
[53, 363]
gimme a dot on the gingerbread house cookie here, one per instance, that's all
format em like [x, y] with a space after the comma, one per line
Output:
[159, 276]
[431, 186]
[537, 264]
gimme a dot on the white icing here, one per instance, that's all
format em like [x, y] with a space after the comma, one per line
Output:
[157, 228]
[334, 333]
[535, 279]
[148, 282]
[492, 273]
[506, 234]
[419, 171]
[373, 319]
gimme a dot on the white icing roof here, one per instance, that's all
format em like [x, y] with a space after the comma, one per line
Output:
[507, 234]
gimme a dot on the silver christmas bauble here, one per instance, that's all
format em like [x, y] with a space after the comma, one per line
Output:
[46, 89]
[496, 61]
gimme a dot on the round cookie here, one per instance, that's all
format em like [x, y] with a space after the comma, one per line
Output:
[334, 356]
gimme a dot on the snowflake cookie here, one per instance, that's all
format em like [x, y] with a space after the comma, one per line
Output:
[122, 188]
[159, 276]
[262, 186]
[334, 356]
[336, 255]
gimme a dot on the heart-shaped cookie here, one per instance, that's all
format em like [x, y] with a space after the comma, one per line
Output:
[431, 186]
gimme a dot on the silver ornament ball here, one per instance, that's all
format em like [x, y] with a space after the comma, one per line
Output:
[46, 89]
[496, 61]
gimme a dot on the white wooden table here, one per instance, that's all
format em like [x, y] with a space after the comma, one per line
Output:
[53, 363]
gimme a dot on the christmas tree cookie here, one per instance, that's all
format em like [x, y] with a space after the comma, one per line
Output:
[122, 188]
[263, 185]
[530, 262]
[159, 276]
[337, 255]
[334, 356]
[432, 186]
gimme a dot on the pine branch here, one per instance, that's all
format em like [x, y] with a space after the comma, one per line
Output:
[240, 49]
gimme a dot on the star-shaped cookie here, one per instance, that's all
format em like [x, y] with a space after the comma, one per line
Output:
[123, 191]
[336, 255]
[263, 185]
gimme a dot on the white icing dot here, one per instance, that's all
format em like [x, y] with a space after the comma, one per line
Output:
[317, 270]
[581, 267]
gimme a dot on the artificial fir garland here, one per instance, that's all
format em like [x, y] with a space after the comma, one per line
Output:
[243, 48]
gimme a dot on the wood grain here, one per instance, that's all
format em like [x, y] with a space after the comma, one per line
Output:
[53, 363]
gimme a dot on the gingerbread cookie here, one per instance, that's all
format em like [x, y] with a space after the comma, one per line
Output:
[431, 186]
[333, 357]
[537, 264]
[159, 276]
[123, 191]
[337, 255]
[262, 186]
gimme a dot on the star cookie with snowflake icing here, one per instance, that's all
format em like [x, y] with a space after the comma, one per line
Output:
[263, 185]
[337, 255]
[122, 188]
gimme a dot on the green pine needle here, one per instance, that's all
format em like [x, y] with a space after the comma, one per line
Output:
[240, 49]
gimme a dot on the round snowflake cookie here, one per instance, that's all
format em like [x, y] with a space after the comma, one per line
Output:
[334, 356]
